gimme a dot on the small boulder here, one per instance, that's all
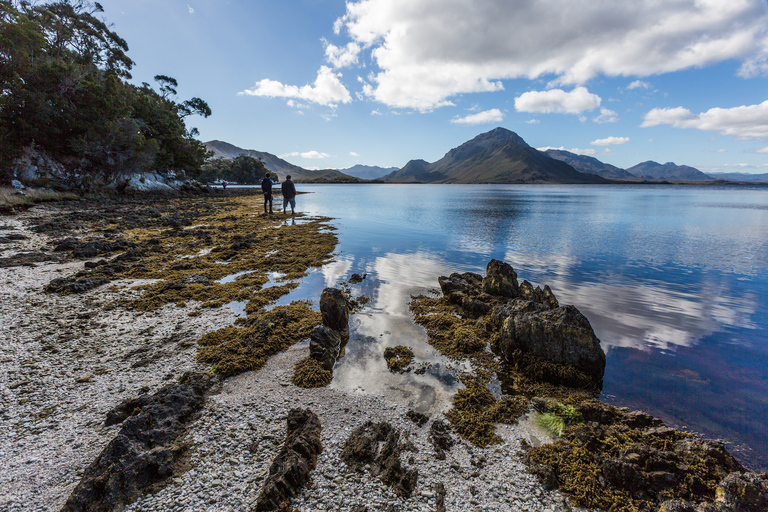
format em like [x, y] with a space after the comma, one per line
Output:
[500, 280]
[324, 346]
[334, 308]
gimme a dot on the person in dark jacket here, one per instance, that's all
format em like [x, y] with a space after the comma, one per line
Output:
[289, 194]
[266, 187]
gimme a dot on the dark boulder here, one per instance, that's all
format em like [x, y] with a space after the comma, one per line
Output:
[145, 450]
[500, 280]
[378, 445]
[468, 283]
[292, 465]
[440, 437]
[67, 285]
[561, 336]
[324, 346]
[335, 310]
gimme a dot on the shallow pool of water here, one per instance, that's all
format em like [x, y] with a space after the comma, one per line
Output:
[673, 279]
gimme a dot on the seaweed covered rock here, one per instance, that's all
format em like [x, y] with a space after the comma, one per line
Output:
[378, 445]
[145, 450]
[398, 358]
[501, 280]
[309, 373]
[562, 336]
[633, 462]
[324, 346]
[334, 308]
[292, 465]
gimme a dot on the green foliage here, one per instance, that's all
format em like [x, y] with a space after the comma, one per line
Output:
[558, 418]
[242, 169]
[63, 90]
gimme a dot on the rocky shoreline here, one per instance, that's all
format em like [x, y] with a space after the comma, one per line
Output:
[67, 360]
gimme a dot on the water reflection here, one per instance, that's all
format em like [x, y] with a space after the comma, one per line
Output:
[673, 279]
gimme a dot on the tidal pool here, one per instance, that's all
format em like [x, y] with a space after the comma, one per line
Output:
[674, 280]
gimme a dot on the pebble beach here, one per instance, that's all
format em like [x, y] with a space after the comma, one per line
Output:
[66, 360]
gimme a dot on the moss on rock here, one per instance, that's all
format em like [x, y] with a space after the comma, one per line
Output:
[309, 373]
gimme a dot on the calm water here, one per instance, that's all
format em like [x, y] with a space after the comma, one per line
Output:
[673, 279]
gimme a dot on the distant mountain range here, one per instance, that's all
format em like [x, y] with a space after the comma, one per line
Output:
[275, 164]
[368, 172]
[670, 171]
[740, 176]
[590, 165]
[497, 156]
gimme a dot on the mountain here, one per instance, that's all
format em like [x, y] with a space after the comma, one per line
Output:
[740, 176]
[275, 164]
[498, 156]
[669, 171]
[590, 165]
[368, 172]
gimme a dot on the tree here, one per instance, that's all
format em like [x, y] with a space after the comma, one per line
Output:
[63, 89]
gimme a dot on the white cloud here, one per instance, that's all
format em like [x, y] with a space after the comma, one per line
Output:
[352, 153]
[638, 84]
[606, 116]
[428, 51]
[376, 112]
[190, 9]
[610, 141]
[294, 104]
[342, 57]
[532, 121]
[327, 89]
[587, 152]
[487, 116]
[745, 122]
[314, 155]
[763, 150]
[557, 101]
[293, 153]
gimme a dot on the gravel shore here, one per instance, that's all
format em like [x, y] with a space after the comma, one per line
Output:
[66, 360]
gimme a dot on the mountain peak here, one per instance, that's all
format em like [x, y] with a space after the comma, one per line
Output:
[498, 135]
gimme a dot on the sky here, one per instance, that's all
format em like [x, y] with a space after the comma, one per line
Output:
[331, 84]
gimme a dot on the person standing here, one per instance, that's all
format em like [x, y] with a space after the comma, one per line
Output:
[289, 194]
[266, 187]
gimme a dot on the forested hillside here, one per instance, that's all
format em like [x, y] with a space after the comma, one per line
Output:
[64, 94]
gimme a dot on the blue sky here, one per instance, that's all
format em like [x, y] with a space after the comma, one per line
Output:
[329, 84]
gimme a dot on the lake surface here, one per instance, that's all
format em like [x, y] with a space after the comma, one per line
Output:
[674, 280]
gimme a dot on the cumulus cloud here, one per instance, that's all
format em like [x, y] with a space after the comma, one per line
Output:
[586, 152]
[314, 155]
[352, 153]
[342, 57]
[606, 116]
[327, 89]
[610, 141]
[744, 122]
[638, 84]
[557, 101]
[190, 9]
[487, 116]
[421, 64]
[763, 150]
[532, 121]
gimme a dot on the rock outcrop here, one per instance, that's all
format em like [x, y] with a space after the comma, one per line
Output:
[292, 465]
[327, 340]
[145, 450]
[528, 320]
